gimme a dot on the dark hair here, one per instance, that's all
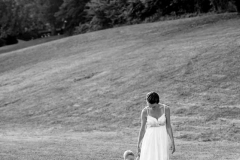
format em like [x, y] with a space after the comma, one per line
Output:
[152, 97]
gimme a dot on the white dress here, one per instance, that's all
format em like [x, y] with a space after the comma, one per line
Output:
[155, 143]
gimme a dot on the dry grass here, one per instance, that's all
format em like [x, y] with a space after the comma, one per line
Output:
[97, 145]
[53, 96]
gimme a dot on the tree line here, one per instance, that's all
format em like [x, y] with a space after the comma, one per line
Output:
[29, 19]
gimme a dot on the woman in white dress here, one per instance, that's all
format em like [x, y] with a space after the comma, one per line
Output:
[155, 137]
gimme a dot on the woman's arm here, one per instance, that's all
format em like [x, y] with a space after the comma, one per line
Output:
[143, 128]
[169, 128]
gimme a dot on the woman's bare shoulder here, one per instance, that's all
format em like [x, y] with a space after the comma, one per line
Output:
[144, 110]
[167, 107]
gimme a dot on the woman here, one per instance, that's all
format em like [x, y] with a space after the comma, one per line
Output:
[155, 130]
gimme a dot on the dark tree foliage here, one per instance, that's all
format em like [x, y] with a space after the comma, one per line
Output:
[9, 40]
[134, 11]
[203, 6]
[99, 14]
[116, 12]
[220, 5]
[9, 20]
[72, 13]
[18, 16]
[29, 35]
[237, 2]
[184, 6]
[2, 42]
[25, 18]
[188, 6]
[48, 9]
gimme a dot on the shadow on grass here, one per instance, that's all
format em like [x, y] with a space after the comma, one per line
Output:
[25, 44]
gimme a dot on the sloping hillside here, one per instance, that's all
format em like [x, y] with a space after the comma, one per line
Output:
[98, 80]
[24, 44]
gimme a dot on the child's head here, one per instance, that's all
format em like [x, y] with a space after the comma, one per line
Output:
[128, 155]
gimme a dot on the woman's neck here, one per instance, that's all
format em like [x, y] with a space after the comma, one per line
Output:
[155, 107]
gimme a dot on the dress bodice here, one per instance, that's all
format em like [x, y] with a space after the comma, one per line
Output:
[153, 122]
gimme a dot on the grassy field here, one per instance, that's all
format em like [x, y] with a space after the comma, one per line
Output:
[81, 97]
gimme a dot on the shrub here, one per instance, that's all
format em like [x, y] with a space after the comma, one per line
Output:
[237, 3]
[25, 36]
[219, 5]
[100, 21]
[2, 42]
[231, 7]
[204, 6]
[28, 36]
[10, 40]
[82, 28]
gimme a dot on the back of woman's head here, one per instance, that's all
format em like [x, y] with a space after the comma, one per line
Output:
[152, 98]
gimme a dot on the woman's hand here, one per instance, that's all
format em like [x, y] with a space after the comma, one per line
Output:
[173, 147]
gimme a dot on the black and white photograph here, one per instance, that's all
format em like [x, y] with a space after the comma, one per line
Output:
[119, 79]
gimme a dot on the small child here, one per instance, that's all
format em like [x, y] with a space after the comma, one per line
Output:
[128, 155]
